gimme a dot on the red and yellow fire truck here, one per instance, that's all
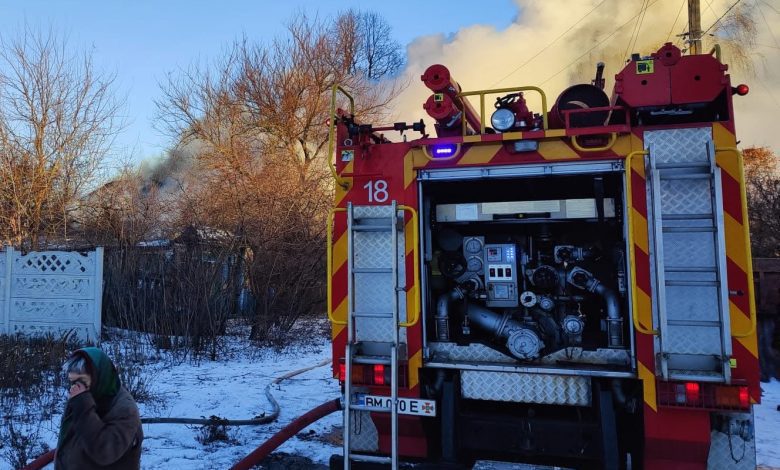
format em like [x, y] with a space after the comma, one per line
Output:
[568, 287]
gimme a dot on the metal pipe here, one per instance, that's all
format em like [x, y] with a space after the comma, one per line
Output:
[443, 313]
[583, 279]
[614, 321]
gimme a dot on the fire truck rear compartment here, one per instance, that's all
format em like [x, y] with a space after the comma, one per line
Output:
[527, 272]
[526, 310]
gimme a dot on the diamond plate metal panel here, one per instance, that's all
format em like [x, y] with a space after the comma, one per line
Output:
[686, 196]
[679, 145]
[615, 357]
[689, 249]
[373, 292]
[526, 388]
[364, 436]
[452, 352]
[695, 303]
[446, 352]
[733, 452]
[694, 340]
[372, 250]
[372, 212]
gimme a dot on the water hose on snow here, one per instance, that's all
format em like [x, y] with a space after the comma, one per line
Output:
[308, 418]
[241, 422]
[257, 455]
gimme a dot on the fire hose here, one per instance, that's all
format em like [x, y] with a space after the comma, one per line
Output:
[257, 455]
[262, 451]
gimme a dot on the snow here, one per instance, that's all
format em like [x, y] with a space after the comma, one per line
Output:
[767, 416]
[234, 388]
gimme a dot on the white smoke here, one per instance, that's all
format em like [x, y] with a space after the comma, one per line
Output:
[481, 57]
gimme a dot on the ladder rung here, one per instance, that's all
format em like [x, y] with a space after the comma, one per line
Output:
[711, 323]
[703, 165]
[693, 283]
[373, 314]
[667, 229]
[370, 458]
[699, 175]
[369, 408]
[371, 360]
[372, 228]
[372, 270]
[690, 269]
[686, 216]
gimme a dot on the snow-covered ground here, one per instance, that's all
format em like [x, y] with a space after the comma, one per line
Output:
[767, 416]
[234, 388]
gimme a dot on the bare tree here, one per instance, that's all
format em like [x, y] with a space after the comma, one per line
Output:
[58, 119]
[255, 122]
[762, 172]
[367, 44]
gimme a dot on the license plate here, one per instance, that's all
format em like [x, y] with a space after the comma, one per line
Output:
[406, 406]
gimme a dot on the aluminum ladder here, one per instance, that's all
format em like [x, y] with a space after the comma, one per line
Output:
[688, 252]
[374, 311]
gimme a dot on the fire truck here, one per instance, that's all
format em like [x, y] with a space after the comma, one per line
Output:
[569, 286]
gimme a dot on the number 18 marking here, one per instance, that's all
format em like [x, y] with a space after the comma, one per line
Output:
[377, 190]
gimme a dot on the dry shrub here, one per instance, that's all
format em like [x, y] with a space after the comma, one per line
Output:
[32, 390]
[183, 295]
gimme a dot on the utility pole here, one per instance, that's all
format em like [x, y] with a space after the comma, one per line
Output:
[694, 26]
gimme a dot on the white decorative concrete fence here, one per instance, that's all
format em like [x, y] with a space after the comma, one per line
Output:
[51, 292]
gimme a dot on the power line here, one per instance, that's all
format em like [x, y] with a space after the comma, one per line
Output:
[721, 17]
[548, 45]
[770, 6]
[639, 29]
[768, 91]
[679, 12]
[631, 38]
[769, 28]
[594, 47]
[709, 7]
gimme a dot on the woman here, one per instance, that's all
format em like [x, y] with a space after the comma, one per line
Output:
[101, 427]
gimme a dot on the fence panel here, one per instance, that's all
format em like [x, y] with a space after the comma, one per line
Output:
[51, 291]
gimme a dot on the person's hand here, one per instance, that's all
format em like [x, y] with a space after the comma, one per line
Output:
[76, 388]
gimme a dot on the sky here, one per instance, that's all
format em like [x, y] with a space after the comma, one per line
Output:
[493, 45]
[143, 40]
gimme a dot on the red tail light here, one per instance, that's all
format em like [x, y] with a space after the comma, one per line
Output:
[744, 397]
[379, 374]
[692, 393]
[373, 374]
[703, 395]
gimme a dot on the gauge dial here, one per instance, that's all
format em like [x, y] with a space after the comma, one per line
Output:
[473, 246]
[474, 264]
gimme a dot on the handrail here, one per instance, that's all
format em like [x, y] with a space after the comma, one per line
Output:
[329, 268]
[332, 134]
[482, 94]
[612, 140]
[632, 254]
[416, 266]
[746, 234]
[716, 50]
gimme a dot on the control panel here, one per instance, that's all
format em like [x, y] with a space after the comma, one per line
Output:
[500, 261]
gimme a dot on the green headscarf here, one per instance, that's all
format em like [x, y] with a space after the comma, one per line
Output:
[104, 387]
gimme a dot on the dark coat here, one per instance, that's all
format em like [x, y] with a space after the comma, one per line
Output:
[94, 442]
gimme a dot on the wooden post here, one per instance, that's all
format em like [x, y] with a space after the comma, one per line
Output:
[694, 26]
